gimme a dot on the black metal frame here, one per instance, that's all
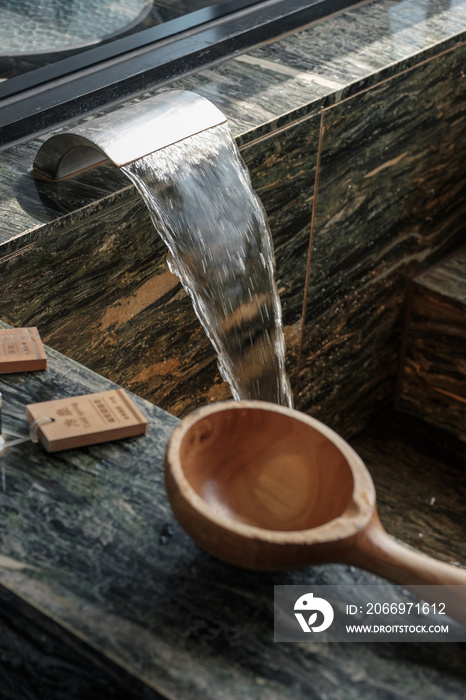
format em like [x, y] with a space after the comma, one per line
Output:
[40, 99]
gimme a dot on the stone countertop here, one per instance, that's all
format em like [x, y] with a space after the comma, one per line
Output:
[448, 278]
[92, 559]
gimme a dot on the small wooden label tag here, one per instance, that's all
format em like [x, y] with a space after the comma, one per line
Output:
[21, 350]
[86, 420]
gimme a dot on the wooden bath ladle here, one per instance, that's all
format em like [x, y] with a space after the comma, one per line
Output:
[266, 487]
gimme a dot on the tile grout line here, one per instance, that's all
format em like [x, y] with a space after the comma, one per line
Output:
[311, 241]
[279, 129]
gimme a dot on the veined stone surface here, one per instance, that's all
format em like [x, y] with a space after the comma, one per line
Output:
[381, 88]
[433, 366]
[103, 595]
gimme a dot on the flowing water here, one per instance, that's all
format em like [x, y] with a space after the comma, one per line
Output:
[201, 202]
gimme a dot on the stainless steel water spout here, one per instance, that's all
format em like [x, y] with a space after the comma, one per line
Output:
[126, 134]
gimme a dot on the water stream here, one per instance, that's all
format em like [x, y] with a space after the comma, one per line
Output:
[200, 199]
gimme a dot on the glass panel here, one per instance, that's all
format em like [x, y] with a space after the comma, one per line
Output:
[49, 25]
[35, 33]
[61, 59]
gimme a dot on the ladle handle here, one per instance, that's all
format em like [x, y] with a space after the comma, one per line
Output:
[375, 550]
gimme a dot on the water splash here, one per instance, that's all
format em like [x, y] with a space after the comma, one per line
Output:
[200, 200]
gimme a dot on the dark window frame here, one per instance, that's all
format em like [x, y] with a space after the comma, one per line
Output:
[68, 89]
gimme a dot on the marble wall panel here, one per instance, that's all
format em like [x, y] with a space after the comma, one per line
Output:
[391, 201]
[100, 291]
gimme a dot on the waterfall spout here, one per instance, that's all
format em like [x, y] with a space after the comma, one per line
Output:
[126, 135]
[179, 153]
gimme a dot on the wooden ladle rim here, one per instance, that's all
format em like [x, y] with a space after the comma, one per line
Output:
[355, 517]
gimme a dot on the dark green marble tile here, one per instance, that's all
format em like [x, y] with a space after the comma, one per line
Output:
[36, 662]
[391, 200]
[91, 557]
[433, 370]
[267, 87]
[420, 483]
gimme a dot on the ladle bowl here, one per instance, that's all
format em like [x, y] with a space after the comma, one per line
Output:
[266, 487]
